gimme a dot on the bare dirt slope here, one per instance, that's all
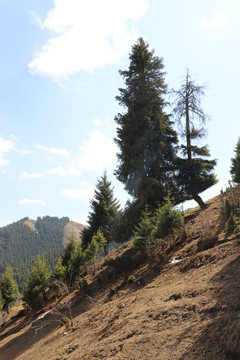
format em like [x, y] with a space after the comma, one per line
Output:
[72, 227]
[188, 308]
[31, 224]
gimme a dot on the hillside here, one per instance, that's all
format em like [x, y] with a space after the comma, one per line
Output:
[70, 228]
[22, 241]
[186, 308]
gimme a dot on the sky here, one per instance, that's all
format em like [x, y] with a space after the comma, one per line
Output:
[59, 62]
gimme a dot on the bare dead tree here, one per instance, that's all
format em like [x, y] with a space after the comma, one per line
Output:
[191, 118]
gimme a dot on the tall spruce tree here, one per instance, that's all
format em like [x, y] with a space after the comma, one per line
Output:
[195, 172]
[8, 288]
[105, 210]
[145, 136]
[235, 168]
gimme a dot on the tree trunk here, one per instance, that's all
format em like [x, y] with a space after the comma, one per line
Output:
[195, 196]
[188, 134]
[199, 200]
[105, 249]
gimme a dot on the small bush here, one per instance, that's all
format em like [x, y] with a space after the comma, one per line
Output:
[111, 293]
[131, 279]
[120, 263]
[154, 230]
[65, 320]
[230, 201]
[231, 224]
[84, 286]
[99, 279]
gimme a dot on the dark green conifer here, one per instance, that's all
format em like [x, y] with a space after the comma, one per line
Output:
[1, 301]
[35, 292]
[145, 136]
[235, 168]
[105, 210]
[8, 288]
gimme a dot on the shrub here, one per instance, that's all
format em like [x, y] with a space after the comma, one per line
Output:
[35, 292]
[65, 320]
[231, 224]
[84, 286]
[230, 201]
[120, 263]
[154, 230]
[168, 221]
[131, 279]
[143, 231]
[111, 293]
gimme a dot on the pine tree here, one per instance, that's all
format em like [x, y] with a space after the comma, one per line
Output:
[105, 210]
[235, 168]
[70, 265]
[35, 292]
[9, 288]
[145, 136]
[1, 301]
[69, 251]
[195, 173]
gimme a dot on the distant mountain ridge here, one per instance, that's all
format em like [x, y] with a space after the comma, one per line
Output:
[72, 227]
[22, 241]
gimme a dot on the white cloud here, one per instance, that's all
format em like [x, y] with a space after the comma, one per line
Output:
[89, 35]
[5, 146]
[97, 152]
[217, 21]
[26, 175]
[25, 152]
[35, 18]
[231, 4]
[85, 192]
[60, 171]
[97, 122]
[31, 202]
[53, 151]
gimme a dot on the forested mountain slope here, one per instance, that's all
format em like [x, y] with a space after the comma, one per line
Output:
[22, 241]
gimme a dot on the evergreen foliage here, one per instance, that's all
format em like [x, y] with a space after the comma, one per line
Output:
[65, 268]
[231, 224]
[167, 220]
[195, 172]
[70, 251]
[20, 245]
[125, 224]
[145, 137]
[105, 210]
[8, 288]
[35, 293]
[144, 230]
[21, 272]
[74, 258]
[157, 228]
[235, 168]
[1, 301]
[98, 241]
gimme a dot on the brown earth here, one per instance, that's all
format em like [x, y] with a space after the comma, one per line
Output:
[31, 224]
[188, 308]
[72, 227]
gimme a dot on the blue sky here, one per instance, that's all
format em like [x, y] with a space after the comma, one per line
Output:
[59, 64]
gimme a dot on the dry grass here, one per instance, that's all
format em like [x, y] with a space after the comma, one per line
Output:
[177, 311]
[72, 227]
